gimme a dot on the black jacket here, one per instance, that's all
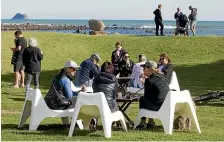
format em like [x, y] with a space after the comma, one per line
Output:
[51, 97]
[177, 15]
[125, 69]
[107, 83]
[156, 89]
[116, 59]
[32, 59]
[158, 15]
[87, 71]
[167, 71]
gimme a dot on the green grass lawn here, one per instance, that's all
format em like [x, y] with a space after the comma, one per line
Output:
[198, 62]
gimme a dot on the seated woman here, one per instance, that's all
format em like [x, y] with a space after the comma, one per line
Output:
[165, 66]
[60, 95]
[106, 82]
[156, 89]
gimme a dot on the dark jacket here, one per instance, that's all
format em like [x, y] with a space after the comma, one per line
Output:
[116, 59]
[125, 69]
[156, 89]
[158, 15]
[167, 71]
[107, 83]
[51, 98]
[87, 71]
[177, 15]
[32, 59]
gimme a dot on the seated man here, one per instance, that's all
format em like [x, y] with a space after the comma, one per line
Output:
[182, 25]
[137, 75]
[61, 87]
[89, 69]
[156, 89]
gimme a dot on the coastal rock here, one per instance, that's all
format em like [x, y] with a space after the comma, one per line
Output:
[96, 25]
[20, 16]
[97, 33]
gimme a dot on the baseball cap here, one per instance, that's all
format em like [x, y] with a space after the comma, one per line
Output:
[71, 64]
[96, 56]
[150, 64]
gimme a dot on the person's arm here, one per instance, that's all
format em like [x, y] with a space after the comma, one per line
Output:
[18, 47]
[24, 59]
[175, 16]
[66, 84]
[113, 57]
[96, 70]
[40, 55]
[167, 71]
[160, 15]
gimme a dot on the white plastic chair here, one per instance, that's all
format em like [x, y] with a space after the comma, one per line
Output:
[174, 85]
[95, 104]
[36, 108]
[178, 102]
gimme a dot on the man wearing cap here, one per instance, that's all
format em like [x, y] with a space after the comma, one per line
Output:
[62, 85]
[156, 89]
[89, 69]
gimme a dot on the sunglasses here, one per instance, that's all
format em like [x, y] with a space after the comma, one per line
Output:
[74, 69]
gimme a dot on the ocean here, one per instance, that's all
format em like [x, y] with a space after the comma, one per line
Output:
[133, 27]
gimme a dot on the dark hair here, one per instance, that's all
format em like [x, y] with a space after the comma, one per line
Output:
[118, 43]
[18, 32]
[106, 66]
[165, 56]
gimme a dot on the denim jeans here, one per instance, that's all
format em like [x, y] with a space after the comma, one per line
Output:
[29, 77]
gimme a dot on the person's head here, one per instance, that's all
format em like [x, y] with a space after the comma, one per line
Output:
[190, 7]
[107, 67]
[164, 59]
[118, 45]
[32, 42]
[95, 58]
[71, 67]
[18, 34]
[178, 9]
[150, 67]
[126, 56]
[142, 58]
[160, 6]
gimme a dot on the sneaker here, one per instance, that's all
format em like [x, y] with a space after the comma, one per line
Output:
[141, 126]
[150, 125]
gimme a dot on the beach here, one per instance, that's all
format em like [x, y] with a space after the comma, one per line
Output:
[131, 27]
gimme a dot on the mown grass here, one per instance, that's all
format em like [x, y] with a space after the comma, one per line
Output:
[198, 61]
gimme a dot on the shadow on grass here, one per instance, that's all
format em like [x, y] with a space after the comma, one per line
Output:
[52, 129]
[215, 104]
[18, 99]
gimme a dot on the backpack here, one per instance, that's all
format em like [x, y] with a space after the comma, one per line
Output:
[194, 14]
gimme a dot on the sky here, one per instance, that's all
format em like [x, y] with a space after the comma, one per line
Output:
[208, 10]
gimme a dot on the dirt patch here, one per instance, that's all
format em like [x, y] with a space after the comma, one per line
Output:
[10, 112]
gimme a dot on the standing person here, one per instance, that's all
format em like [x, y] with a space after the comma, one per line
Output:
[158, 20]
[89, 69]
[116, 56]
[32, 57]
[21, 44]
[193, 19]
[177, 16]
[156, 89]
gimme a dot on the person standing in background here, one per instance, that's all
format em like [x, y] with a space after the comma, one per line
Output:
[193, 19]
[32, 57]
[177, 15]
[21, 44]
[158, 20]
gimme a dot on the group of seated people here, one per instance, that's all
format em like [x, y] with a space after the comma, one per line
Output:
[152, 76]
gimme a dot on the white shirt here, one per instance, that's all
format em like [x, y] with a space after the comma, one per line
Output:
[136, 73]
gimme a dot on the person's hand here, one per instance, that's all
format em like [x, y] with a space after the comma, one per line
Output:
[83, 88]
[41, 52]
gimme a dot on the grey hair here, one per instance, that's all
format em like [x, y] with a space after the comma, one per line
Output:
[142, 58]
[32, 42]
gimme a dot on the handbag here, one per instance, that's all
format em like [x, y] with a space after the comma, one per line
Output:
[61, 100]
